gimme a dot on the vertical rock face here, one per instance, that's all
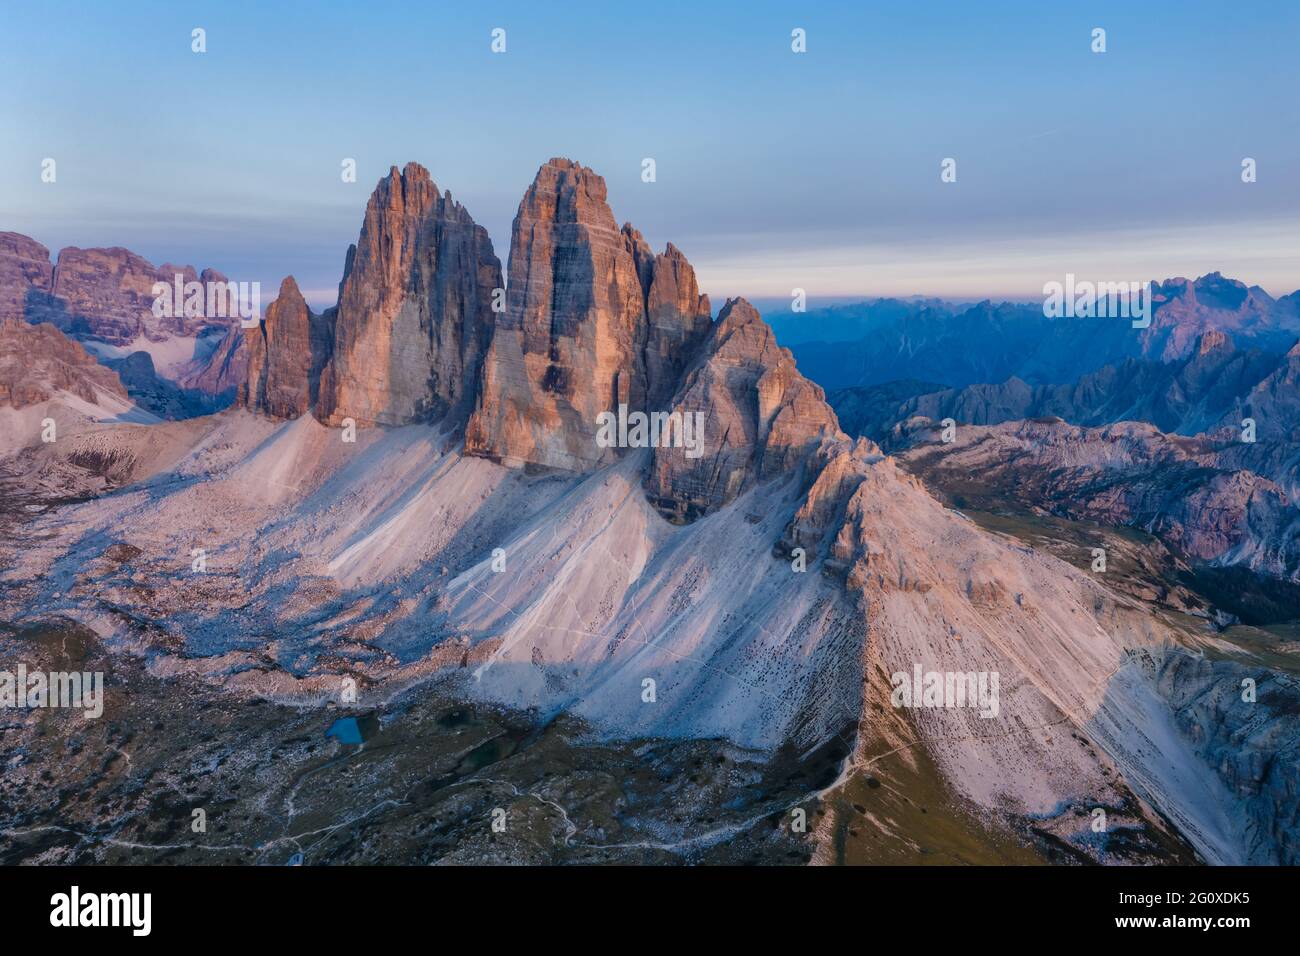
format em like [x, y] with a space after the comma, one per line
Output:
[677, 316]
[286, 354]
[415, 309]
[760, 418]
[593, 320]
[25, 275]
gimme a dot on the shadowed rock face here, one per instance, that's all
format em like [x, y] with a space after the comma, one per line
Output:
[1252, 745]
[286, 354]
[158, 395]
[593, 320]
[677, 317]
[761, 418]
[38, 360]
[415, 309]
[1274, 403]
[225, 370]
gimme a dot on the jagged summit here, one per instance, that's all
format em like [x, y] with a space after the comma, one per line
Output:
[286, 355]
[593, 321]
[414, 314]
[761, 417]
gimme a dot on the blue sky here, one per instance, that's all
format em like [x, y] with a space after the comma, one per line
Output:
[775, 170]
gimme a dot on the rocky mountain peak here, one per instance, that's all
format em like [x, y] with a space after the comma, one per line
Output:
[593, 321]
[25, 274]
[415, 309]
[758, 418]
[286, 354]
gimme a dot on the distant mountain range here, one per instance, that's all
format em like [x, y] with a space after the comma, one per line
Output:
[934, 341]
[1225, 499]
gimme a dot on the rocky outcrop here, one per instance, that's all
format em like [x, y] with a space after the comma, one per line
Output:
[1184, 491]
[593, 321]
[677, 316]
[158, 395]
[286, 355]
[1251, 740]
[108, 294]
[25, 276]
[38, 361]
[760, 418]
[1273, 403]
[1184, 310]
[415, 309]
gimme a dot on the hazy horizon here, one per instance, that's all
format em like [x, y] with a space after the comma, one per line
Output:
[775, 170]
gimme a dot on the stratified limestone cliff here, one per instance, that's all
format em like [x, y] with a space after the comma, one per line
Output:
[593, 321]
[25, 275]
[106, 294]
[415, 309]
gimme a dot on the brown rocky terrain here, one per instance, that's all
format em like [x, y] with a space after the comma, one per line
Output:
[25, 275]
[224, 369]
[37, 361]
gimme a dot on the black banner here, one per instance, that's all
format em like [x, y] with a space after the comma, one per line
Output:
[333, 905]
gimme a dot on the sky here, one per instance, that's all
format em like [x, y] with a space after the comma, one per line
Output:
[775, 170]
